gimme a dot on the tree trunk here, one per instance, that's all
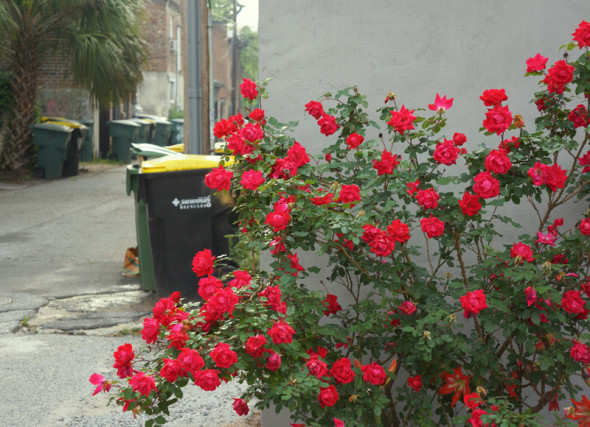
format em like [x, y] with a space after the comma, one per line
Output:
[24, 64]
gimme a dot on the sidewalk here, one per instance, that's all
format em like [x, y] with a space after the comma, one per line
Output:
[65, 306]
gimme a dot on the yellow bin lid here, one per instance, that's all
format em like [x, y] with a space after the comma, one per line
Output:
[183, 162]
[62, 121]
[179, 148]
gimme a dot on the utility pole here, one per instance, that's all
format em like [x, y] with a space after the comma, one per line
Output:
[195, 93]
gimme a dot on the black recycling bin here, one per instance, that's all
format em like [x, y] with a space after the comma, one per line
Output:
[184, 217]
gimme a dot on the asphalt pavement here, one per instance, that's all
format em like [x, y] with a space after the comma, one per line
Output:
[65, 305]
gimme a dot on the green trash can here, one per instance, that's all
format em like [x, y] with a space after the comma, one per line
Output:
[123, 134]
[162, 132]
[86, 151]
[146, 265]
[53, 141]
[79, 132]
[176, 132]
[145, 131]
[144, 251]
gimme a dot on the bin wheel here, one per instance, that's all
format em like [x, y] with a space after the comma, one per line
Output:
[38, 172]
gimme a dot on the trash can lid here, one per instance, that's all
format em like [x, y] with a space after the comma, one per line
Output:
[124, 122]
[179, 121]
[143, 120]
[177, 148]
[181, 162]
[55, 127]
[150, 150]
[66, 122]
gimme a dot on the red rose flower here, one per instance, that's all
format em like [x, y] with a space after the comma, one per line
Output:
[241, 407]
[402, 120]
[433, 227]
[237, 144]
[328, 125]
[382, 244]
[203, 263]
[415, 382]
[207, 379]
[473, 303]
[428, 198]
[297, 155]
[459, 139]
[497, 161]
[580, 352]
[223, 355]
[354, 140]
[171, 370]
[387, 163]
[219, 179]
[257, 115]
[472, 400]
[412, 187]
[407, 307]
[208, 286]
[572, 302]
[123, 358]
[252, 132]
[536, 63]
[508, 144]
[150, 330]
[315, 109]
[523, 251]
[224, 301]
[493, 97]
[281, 332]
[223, 128]
[582, 34]
[370, 233]
[273, 362]
[328, 396]
[143, 383]
[331, 305]
[322, 200]
[374, 374]
[252, 179]
[349, 194]
[255, 345]
[584, 227]
[485, 185]
[317, 367]
[498, 119]
[242, 278]
[556, 177]
[469, 204]
[558, 76]
[190, 360]
[399, 231]
[342, 371]
[248, 89]
[446, 152]
[278, 220]
[579, 116]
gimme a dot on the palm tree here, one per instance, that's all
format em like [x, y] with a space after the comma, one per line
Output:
[100, 37]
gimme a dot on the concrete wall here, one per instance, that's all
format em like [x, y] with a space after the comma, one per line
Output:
[415, 49]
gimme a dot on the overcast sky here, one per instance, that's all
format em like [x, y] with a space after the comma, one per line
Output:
[249, 14]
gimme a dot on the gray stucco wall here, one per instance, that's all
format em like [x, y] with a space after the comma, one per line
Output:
[458, 48]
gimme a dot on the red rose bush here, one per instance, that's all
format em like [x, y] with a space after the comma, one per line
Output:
[432, 302]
